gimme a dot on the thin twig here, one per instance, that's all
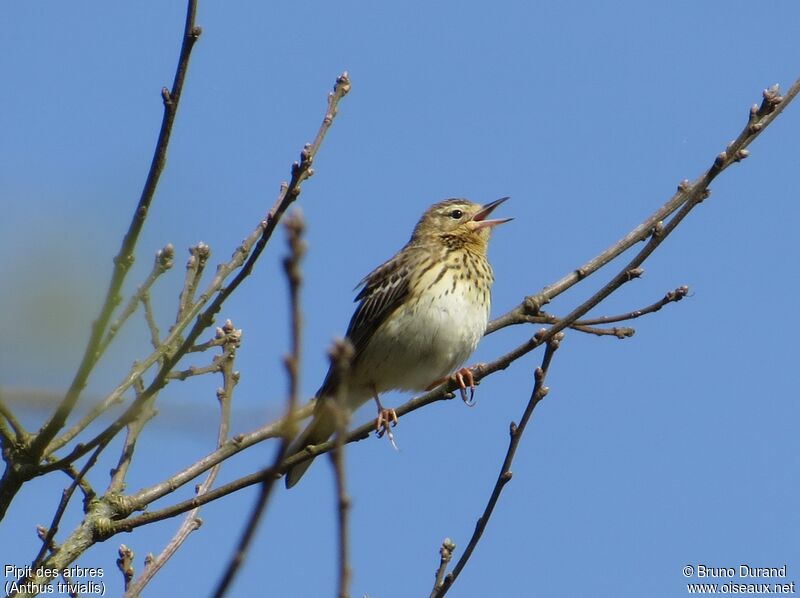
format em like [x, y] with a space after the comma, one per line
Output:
[588, 325]
[217, 341]
[66, 496]
[8, 439]
[163, 261]
[86, 488]
[192, 522]
[71, 591]
[150, 318]
[445, 556]
[133, 377]
[670, 297]
[291, 265]
[759, 119]
[118, 474]
[693, 196]
[257, 241]
[125, 565]
[125, 256]
[8, 415]
[235, 445]
[537, 394]
[341, 358]
[442, 392]
[194, 270]
[214, 367]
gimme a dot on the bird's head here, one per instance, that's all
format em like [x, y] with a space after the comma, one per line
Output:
[458, 222]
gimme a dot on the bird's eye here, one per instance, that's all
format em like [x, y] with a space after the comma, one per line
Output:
[456, 214]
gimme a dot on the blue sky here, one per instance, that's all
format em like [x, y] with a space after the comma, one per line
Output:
[675, 447]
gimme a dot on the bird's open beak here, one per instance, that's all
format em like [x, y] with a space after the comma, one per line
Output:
[480, 217]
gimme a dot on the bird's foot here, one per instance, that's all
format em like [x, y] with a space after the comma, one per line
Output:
[387, 419]
[464, 378]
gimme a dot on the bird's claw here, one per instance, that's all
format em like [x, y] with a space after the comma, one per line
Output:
[387, 419]
[464, 378]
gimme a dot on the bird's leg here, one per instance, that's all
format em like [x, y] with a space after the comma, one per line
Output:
[386, 419]
[463, 378]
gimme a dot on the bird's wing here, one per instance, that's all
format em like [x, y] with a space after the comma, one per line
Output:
[382, 291]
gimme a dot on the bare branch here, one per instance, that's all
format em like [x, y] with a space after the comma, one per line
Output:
[238, 443]
[150, 318]
[214, 367]
[192, 522]
[125, 565]
[670, 297]
[759, 119]
[50, 533]
[194, 271]
[135, 428]
[125, 257]
[20, 435]
[588, 325]
[537, 394]
[689, 195]
[341, 358]
[291, 264]
[257, 241]
[163, 261]
[445, 556]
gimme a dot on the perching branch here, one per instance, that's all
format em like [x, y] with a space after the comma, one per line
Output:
[203, 309]
[658, 232]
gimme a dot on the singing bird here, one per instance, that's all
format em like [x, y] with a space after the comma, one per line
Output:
[420, 315]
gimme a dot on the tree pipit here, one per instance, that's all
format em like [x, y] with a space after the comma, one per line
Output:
[420, 315]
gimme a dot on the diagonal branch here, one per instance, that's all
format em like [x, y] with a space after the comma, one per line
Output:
[66, 496]
[192, 521]
[516, 431]
[19, 431]
[759, 118]
[257, 241]
[162, 263]
[690, 196]
[291, 264]
[125, 257]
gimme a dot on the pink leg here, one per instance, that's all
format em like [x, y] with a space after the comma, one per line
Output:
[387, 418]
[464, 378]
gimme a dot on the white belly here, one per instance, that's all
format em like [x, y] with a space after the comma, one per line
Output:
[425, 341]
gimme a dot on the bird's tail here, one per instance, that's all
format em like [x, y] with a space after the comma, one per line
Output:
[319, 430]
